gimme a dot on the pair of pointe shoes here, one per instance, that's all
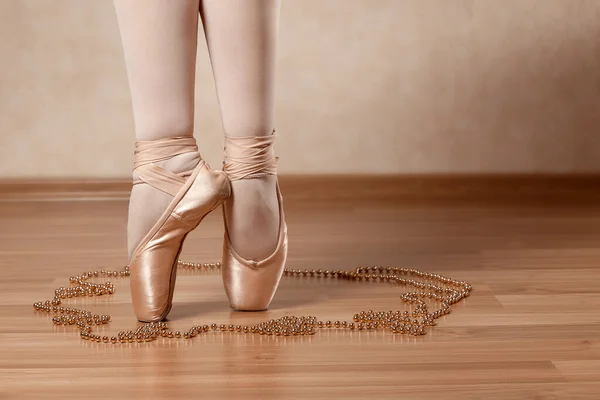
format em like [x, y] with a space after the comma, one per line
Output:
[249, 285]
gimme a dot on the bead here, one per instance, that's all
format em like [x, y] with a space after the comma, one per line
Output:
[421, 285]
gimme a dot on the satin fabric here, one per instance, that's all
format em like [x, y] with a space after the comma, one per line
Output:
[154, 261]
[251, 285]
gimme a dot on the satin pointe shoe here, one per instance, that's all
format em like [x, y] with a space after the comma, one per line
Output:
[153, 264]
[250, 285]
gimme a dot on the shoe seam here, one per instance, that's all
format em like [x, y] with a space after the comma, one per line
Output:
[181, 219]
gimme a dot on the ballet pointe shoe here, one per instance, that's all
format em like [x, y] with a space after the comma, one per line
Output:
[153, 264]
[250, 285]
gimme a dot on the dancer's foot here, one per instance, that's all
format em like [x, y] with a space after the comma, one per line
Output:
[147, 203]
[252, 215]
[255, 246]
[193, 194]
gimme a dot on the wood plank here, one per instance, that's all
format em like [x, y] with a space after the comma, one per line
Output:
[579, 370]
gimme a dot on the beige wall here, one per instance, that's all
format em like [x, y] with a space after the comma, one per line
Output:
[365, 86]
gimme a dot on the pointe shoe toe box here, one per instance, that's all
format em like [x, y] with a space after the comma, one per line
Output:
[251, 285]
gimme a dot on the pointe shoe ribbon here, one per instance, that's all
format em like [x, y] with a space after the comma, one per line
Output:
[249, 157]
[148, 153]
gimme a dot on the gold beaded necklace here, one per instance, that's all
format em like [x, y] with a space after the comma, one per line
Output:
[446, 292]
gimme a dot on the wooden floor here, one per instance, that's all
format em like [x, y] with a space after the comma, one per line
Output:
[530, 330]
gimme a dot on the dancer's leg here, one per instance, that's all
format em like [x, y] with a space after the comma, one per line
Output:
[241, 37]
[159, 41]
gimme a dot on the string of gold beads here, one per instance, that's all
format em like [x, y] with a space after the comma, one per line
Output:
[433, 287]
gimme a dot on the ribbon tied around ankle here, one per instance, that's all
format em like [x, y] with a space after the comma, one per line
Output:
[249, 157]
[148, 153]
